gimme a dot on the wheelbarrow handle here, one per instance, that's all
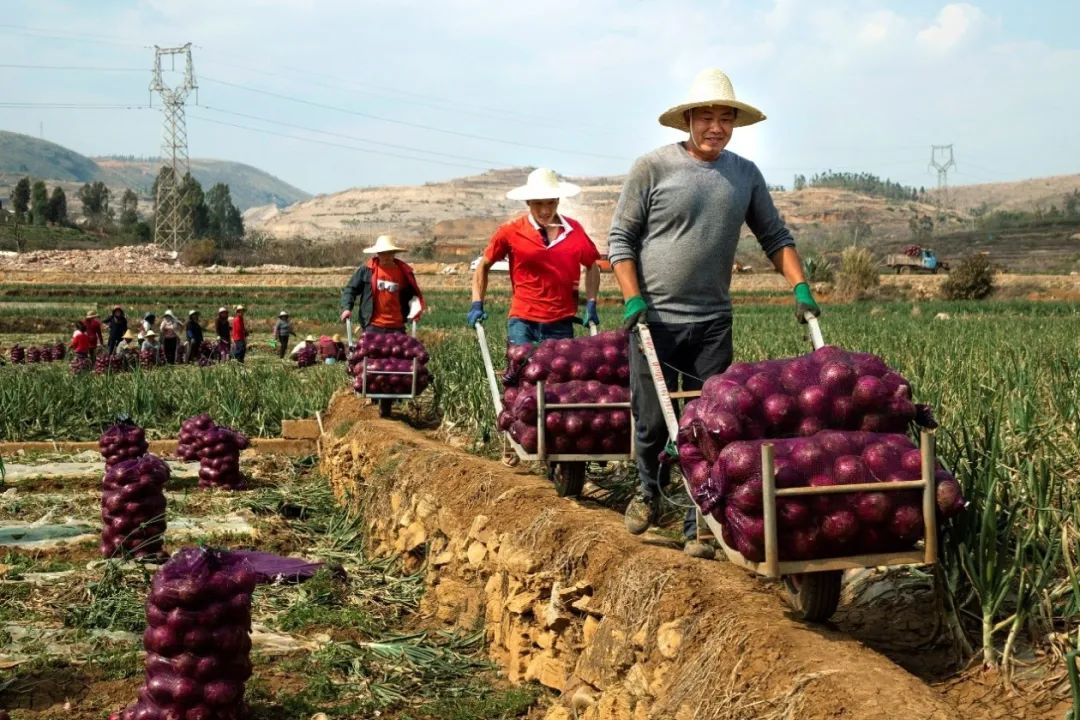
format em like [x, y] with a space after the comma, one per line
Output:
[648, 348]
[489, 367]
[348, 331]
[815, 331]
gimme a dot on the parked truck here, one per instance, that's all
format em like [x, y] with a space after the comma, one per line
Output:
[915, 259]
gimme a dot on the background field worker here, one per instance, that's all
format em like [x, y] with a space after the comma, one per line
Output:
[342, 353]
[239, 335]
[148, 321]
[385, 288]
[194, 333]
[306, 342]
[150, 342]
[93, 329]
[80, 341]
[327, 350]
[672, 245]
[223, 328]
[118, 327]
[170, 330]
[546, 252]
[282, 332]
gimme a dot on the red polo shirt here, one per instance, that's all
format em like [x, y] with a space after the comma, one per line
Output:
[544, 279]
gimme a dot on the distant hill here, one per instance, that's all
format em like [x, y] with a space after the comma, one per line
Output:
[22, 155]
[460, 215]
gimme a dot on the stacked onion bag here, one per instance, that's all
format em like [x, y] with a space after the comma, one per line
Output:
[219, 458]
[33, 355]
[197, 641]
[133, 508]
[307, 356]
[391, 352]
[191, 433]
[18, 354]
[109, 364]
[592, 369]
[79, 365]
[123, 441]
[834, 418]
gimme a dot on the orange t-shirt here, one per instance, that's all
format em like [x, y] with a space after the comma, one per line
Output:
[387, 296]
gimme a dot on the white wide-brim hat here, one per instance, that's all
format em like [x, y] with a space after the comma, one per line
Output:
[543, 184]
[383, 243]
[711, 87]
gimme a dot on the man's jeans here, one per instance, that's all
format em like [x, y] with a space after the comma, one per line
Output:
[698, 351]
[239, 350]
[519, 332]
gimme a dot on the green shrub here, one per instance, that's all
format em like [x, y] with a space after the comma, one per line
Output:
[858, 274]
[199, 253]
[971, 279]
[818, 269]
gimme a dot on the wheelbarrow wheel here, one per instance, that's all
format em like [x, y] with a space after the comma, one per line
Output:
[569, 478]
[385, 405]
[814, 596]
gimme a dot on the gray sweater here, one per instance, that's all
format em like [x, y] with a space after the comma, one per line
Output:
[679, 219]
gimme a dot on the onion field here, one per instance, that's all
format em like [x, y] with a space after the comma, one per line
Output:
[1003, 378]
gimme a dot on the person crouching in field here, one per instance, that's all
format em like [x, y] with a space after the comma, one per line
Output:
[384, 286]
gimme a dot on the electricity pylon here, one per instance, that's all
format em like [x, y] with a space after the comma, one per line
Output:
[172, 218]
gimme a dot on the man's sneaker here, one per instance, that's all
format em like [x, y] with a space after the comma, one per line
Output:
[698, 549]
[640, 514]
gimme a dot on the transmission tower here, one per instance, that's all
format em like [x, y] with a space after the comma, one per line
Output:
[941, 159]
[172, 219]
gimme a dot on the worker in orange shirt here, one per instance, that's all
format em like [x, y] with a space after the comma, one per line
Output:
[385, 288]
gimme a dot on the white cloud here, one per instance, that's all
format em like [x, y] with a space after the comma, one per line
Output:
[955, 24]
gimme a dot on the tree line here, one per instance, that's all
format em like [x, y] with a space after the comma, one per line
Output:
[212, 214]
[864, 183]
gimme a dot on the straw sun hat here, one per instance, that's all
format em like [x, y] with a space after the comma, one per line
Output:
[543, 184]
[711, 87]
[383, 243]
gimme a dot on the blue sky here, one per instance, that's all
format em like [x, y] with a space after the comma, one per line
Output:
[444, 89]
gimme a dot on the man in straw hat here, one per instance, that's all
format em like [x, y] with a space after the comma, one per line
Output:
[239, 335]
[385, 288]
[93, 332]
[672, 244]
[547, 251]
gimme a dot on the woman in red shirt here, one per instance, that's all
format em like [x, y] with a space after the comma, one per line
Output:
[80, 341]
[239, 335]
[92, 326]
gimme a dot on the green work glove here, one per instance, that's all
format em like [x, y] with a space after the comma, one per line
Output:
[634, 312]
[805, 303]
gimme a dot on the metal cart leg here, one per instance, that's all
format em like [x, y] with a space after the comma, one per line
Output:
[385, 405]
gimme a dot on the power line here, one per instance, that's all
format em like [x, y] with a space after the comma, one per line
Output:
[71, 67]
[73, 106]
[490, 163]
[406, 123]
[337, 145]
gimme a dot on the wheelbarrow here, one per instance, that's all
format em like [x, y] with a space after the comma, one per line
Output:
[813, 586]
[565, 470]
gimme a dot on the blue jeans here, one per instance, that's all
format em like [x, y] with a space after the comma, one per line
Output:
[697, 351]
[239, 350]
[519, 332]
